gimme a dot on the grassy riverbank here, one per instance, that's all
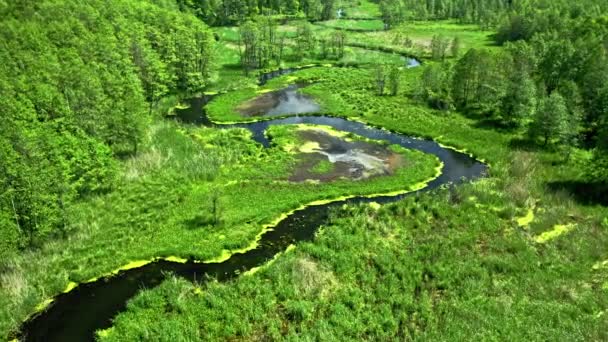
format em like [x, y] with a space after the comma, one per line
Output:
[514, 256]
[164, 208]
[507, 254]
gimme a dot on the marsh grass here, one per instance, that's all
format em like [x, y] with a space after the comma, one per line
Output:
[354, 25]
[449, 263]
[143, 164]
[522, 179]
[163, 207]
[409, 274]
[311, 279]
[323, 167]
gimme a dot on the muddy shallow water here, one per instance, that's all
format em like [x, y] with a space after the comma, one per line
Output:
[354, 160]
[280, 102]
[76, 315]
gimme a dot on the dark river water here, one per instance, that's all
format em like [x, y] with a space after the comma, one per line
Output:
[76, 315]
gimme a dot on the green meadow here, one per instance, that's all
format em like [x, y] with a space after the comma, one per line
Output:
[99, 176]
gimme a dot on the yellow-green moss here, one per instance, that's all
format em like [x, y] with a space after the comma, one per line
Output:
[557, 231]
[525, 221]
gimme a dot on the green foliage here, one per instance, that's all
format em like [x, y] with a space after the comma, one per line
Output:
[478, 81]
[393, 12]
[354, 25]
[435, 86]
[519, 103]
[421, 269]
[455, 47]
[78, 84]
[380, 76]
[551, 119]
[322, 167]
[394, 75]
[305, 40]
[599, 169]
[439, 48]
[230, 12]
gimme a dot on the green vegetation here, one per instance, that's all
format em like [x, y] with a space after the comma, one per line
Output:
[169, 188]
[94, 177]
[364, 9]
[354, 25]
[421, 269]
[79, 84]
[415, 38]
[324, 166]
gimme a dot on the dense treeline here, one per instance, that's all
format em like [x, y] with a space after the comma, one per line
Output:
[534, 15]
[554, 83]
[78, 83]
[228, 12]
[261, 45]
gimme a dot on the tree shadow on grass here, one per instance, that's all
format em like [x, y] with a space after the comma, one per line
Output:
[495, 124]
[202, 221]
[588, 193]
[235, 66]
[524, 145]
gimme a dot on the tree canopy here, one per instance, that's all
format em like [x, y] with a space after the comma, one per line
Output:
[78, 82]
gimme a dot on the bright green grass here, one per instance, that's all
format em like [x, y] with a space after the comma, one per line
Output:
[453, 264]
[163, 209]
[435, 267]
[421, 33]
[231, 75]
[359, 9]
[471, 36]
[354, 25]
[323, 167]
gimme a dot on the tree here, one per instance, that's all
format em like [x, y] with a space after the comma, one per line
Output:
[215, 205]
[324, 45]
[380, 78]
[435, 86]
[248, 45]
[328, 10]
[478, 81]
[600, 159]
[569, 134]
[338, 43]
[551, 119]
[393, 13]
[305, 40]
[74, 95]
[394, 76]
[465, 80]
[556, 59]
[152, 72]
[312, 9]
[455, 47]
[599, 167]
[401, 38]
[439, 47]
[280, 48]
[519, 103]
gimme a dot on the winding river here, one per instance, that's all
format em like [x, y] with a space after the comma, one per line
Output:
[77, 314]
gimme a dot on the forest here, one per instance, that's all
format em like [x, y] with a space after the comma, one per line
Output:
[202, 170]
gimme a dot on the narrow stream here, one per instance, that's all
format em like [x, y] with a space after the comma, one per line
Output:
[76, 315]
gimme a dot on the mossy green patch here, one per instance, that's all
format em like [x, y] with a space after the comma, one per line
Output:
[525, 220]
[323, 166]
[557, 231]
